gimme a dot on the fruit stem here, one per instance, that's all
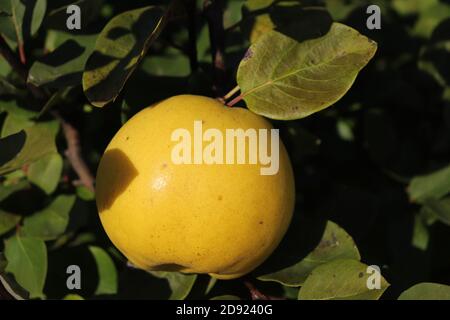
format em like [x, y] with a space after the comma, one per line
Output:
[235, 100]
[231, 93]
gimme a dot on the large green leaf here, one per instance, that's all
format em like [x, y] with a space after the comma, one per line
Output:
[39, 142]
[46, 172]
[180, 284]
[27, 261]
[426, 291]
[335, 244]
[431, 186]
[8, 221]
[281, 78]
[50, 222]
[340, 279]
[118, 50]
[107, 273]
[64, 66]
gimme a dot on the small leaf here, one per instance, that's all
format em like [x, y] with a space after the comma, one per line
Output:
[180, 284]
[27, 261]
[281, 78]
[335, 244]
[211, 283]
[118, 50]
[340, 280]
[73, 296]
[51, 222]
[431, 186]
[107, 273]
[421, 235]
[39, 142]
[85, 194]
[46, 172]
[426, 291]
[8, 221]
[441, 208]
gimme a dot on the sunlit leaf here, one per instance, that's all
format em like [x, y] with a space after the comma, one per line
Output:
[46, 172]
[107, 273]
[27, 261]
[50, 222]
[8, 221]
[335, 244]
[64, 66]
[118, 50]
[426, 291]
[39, 142]
[180, 284]
[281, 78]
[431, 186]
[341, 280]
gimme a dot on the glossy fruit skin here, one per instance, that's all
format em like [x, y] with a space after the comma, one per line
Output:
[221, 219]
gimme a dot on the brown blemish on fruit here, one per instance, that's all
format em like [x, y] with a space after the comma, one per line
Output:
[219, 198]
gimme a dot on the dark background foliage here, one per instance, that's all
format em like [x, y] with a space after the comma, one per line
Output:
[356, 163]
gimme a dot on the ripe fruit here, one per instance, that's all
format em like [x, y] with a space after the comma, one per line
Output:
[221, 219]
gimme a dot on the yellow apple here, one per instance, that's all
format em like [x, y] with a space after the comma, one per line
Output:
[221, 218]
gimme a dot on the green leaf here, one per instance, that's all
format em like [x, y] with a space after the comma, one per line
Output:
[14, 124]
[211, 283]
[226, 297]
[8, 221]
[50, 222]
[335, 244]
[340, 280]
[430, 18]
[7, 190]
[39, 142]
[85, 194]
[24, 18]
[431, 186]
[426, 291]
[46, 172]
[107, 273]
[421, 235]
[118, 50]
[27, 261]
[73, 296]
[441, 208]
[281, 78]
[64, 66]
[180, 284]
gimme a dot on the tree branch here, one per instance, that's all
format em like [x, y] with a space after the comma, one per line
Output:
[213, 11]
[255, 294]
[73, 152]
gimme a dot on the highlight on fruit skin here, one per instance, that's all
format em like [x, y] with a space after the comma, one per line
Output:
[219, 219]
